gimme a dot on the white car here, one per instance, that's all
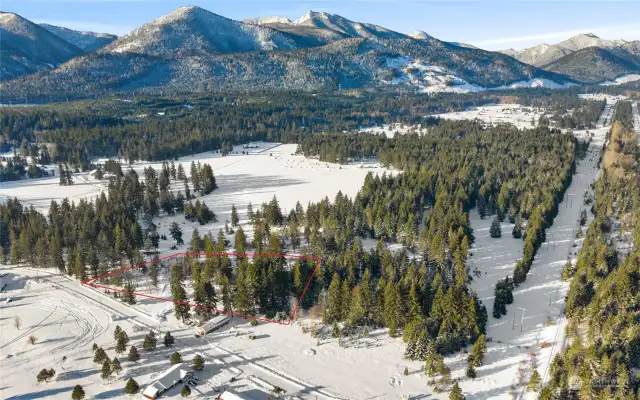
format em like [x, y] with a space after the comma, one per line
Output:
[8, 300]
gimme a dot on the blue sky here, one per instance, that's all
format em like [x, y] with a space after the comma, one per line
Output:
[488, 24]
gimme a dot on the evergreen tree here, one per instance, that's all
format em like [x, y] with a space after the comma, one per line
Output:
[517, 228]
[195, 178]
[175, 358]
[334, 300]
[234, 216]
[115, 366]
[456, 392]
[77, 393]
[79, 269]
[227, 303]
[121, 345]
[185, 392]
[431, 359]
[470, 371]
[168, 340]
[131, 387]
[180, 174]
[242, 302]
[99, 356]
[534, 382]
[198, 363]
[495, 230]
[149, 343]
[45, 375]
[128, 295]
[205, 297]
[356, 309]
[478, 351]
[153, 274]
[176, 233]
[133, 354]
[250, 212]
[105, 373]
[116, 332]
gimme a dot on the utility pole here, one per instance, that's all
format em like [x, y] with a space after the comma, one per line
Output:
[522, 320]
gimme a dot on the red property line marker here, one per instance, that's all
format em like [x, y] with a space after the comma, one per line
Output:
[89, 282]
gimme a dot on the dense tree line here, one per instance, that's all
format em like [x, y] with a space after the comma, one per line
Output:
[77, 132]
[584, 115]
[603, 304]
[17, 168]
[624, 113]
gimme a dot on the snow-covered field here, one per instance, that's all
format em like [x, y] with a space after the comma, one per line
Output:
[428, 78]
[602, 96]
[270, 170]
[622, 80]
[390, 130]
[67, 319]
[515, 114]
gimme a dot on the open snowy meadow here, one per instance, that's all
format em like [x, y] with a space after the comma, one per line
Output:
[493, 114]
[268, 170]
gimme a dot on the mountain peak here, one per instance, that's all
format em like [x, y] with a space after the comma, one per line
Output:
[311, 15]
[420, 35]
[28, 47]
[192, 30]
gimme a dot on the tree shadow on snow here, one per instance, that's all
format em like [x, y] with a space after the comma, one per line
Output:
[77, 374]
[115, 393]
[42, 394]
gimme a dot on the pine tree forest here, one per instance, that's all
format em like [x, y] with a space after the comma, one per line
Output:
[420, 293]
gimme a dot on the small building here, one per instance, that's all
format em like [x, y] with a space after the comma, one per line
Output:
[168, 379]
[215, 323]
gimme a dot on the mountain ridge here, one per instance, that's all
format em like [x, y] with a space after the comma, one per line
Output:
[192, 49]
[85, 40]
[27, 47]
[544, 53]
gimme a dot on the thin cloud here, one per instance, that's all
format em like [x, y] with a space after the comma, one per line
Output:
[88, 26]
[616, 32]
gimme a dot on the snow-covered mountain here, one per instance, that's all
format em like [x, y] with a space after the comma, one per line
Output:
[87, 41]
[345, 26]
[595, 64]
[544, 53]
[421, 35]
[194, 31]
[585, 40]
[192, 49]
[267, 20]
[26, 47]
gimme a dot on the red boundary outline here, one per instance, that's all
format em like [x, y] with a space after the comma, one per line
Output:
[88, 282]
